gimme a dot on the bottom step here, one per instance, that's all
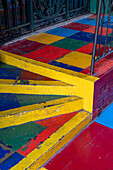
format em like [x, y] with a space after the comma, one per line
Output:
[39, 142]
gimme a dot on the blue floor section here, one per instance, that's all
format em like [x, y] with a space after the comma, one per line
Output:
[92, 22]
[106, 24]
[106, 118]
[63, 32]
[87, 21]
[106, 18]
[89, 37]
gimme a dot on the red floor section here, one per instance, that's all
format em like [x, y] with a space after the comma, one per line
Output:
[92, 30]
[22, 47]
[77, 26]
[87, 49]
[47, 54]
[101, 67]
[91, 150]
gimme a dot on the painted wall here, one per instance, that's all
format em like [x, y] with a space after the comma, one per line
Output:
[94, 6]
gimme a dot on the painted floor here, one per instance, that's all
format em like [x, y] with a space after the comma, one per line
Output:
[91, 149]
[70, 47]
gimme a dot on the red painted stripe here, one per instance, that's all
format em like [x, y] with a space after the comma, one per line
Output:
[52, 124]
[33, 143]
[56, 121]
[26, 75]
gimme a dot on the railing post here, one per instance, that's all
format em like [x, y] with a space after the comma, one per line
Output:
[14, 12]
[23, 10]
[6, 13]
[75, 4]
[96, 36]
[0, 22]
[67, 9]
[31, 14]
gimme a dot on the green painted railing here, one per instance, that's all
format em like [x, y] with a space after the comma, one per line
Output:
[21, 16]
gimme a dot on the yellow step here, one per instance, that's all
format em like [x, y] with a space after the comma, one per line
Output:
[36, 87]
[40, 111]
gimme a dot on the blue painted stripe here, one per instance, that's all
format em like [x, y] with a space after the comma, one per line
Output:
[8, 101]
[3, 152]
[106, 118]
[66, 66]
[11, 161]
[10, 73]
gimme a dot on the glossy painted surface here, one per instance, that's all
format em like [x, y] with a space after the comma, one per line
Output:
[91, 149]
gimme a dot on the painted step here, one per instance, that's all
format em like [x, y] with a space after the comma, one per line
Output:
[35, 112]
[36, 87]
[84, 83]
[41, 154]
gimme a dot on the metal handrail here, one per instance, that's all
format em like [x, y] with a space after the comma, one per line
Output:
[100, 24]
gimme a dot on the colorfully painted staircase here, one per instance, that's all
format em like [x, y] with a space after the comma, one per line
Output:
[70, 109]
[47, 94]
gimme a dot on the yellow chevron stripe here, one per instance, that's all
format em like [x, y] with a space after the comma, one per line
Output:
[84, 83]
